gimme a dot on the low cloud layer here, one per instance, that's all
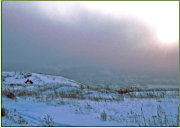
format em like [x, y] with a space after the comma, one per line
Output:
[32, 41]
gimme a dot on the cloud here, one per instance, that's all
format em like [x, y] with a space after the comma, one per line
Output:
[31, 39]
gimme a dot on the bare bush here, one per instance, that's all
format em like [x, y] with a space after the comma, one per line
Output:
[123, 91]
[10, 95]
[47, 121]
[15, 117]
[3, 113]
[103, 116]
[160, 119]
[26, 75]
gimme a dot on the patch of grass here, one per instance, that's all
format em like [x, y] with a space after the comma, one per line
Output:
[14, 117]
[160, 119]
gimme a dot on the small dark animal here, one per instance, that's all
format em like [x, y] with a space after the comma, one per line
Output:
[30, 82]
[26, 81]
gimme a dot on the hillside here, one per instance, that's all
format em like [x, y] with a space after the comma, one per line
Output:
[31, 99]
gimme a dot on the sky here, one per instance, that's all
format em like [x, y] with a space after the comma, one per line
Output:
[133, 37]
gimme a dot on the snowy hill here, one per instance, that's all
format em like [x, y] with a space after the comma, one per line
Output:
[31, 99]
[38, 79]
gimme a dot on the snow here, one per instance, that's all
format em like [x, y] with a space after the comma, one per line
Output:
[38, 79]
[67, 104]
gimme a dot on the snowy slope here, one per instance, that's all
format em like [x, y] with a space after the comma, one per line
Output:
[38, 79]
[58, 101]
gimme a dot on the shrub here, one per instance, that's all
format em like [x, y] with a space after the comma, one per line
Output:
[3, 113]
[103, 116]
[123, 91]
[10, 95]
[21, 120]
[82, 86]
[48, 121]
[27, 75]
[3, 79]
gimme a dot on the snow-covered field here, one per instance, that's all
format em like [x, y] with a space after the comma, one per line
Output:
[46, 100]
